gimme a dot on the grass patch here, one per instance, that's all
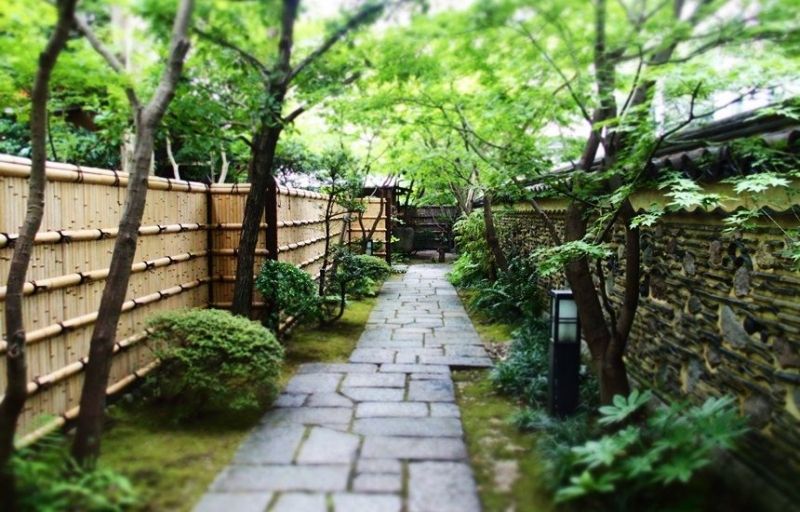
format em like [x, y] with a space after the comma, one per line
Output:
[329, 343]
[489, 330]
[172, 465]
[507, 471]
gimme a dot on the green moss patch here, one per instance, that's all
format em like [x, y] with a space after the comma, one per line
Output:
[507, 469]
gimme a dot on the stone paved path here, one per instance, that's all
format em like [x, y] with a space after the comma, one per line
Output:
[381, 433]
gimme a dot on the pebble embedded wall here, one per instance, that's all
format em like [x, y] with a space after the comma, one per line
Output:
[720, 314]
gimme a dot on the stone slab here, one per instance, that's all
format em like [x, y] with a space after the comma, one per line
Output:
[414, 368]
[374, 482]
[366, 503]
[374, 394]
[270, 445]
[313, 383]
[325, 446]
[308, 416]
[413, 448]
[240, 502]
[298, 502]
[391, 410]
[337, 368]
[441, 487]
[419, 427]
[431, 391]
[377, 380]
[282, 478]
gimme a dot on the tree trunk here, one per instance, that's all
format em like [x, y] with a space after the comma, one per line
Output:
[17, 380]
[263, 158]
[490, 231]
[86, 447]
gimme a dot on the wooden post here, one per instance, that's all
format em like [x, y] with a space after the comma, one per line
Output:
[387, 212]
[210, 243]
[271, 218]
[271, 316]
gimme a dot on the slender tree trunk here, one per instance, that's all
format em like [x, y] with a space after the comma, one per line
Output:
[17, 380]
[263, 159]
[490, 231]
[223, 175]
[86, 447]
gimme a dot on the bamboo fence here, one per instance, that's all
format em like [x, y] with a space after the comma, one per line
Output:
[186, 257]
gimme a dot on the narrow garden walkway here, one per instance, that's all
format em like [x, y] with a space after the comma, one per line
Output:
[381, 433]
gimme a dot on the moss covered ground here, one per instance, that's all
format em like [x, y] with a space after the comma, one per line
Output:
[172, 465]
[507, 469]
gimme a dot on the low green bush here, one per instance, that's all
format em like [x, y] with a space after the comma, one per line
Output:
[666, 448]
[288, 287]
[359, 274]
[49, 480]
[212, 362]
[523, 373]
[515, 294]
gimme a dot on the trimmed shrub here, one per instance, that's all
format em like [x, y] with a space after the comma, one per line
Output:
[213, 362]
[49, 480]
[359, 273]
[288, 287]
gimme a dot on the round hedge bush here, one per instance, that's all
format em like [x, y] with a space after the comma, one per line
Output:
[213, 362]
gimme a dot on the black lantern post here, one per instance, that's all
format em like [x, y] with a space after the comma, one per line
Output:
[565, 353]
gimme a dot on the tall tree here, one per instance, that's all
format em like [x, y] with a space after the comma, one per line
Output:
[276, 79]
[17, 386]
[147, 117]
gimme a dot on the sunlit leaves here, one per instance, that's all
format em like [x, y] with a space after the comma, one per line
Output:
[552, 259]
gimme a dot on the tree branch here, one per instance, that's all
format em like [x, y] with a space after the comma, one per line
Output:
[358, 19]
[248, 57]
[179, 47]
[82, 26]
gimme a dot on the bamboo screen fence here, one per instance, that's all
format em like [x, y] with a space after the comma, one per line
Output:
[186, 257]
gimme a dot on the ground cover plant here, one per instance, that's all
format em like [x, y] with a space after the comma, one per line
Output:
[49, 480]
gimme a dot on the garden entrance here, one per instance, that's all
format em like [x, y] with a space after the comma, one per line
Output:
[381, 432]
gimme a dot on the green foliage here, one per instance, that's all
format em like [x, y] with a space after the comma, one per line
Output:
[474, 260]
[523, 373]
[359, 274]
[670, 446]
[514, 295]
[553, 258]
[212, 362]
[49, 480]
[624, 407]
[289, 288]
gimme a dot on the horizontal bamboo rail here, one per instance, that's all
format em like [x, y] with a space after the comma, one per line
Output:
[46, 381]
[55, 283]
[83, 235]
[20, 168]
[88, 319]
[71, 414]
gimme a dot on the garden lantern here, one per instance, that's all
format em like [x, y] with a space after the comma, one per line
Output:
[565, 353]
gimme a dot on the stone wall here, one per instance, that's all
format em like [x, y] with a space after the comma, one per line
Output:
[720, 314]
